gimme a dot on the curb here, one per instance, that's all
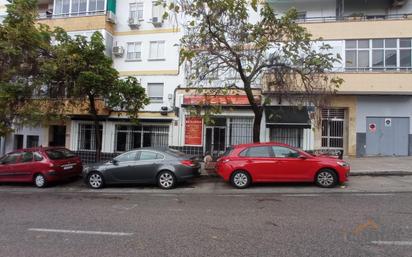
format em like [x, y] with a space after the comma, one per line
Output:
[381, 173]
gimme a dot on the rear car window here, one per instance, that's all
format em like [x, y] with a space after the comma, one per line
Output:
[175, 152]
[228, 151]
[59, 154]
[10, 158]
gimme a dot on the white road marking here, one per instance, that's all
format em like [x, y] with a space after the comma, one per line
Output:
[398, 243]
[80, 232]
[303, 195]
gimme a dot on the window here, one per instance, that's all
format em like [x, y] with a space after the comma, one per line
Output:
[79, 7]
[405, 53]
[290, 136]
[155, 92]
[157, 51]
[127, 157]
[378, 54]
[284, 152]
[127, 138]
[259, 151]
[18, 141]
[132, 137]
[134, 51]
[32, 141]
[62, 7]
[157, 11]
[136, 11]
[87, 138]
[96, 5]
[146, 155]
[27, 157]
[241, 131]
[10, 158]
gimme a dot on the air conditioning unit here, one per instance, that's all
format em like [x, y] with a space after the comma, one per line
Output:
[118, 51]
[164, 110]
[157, 22]
[111, 17]
[134, 22]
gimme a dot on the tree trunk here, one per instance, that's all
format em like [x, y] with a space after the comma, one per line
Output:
[98, 138]
[257, 110]
[256, 124]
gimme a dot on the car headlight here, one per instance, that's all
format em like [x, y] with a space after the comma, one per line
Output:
[86, 169]
[343, 164]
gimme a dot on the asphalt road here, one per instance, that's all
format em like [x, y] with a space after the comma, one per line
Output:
[182, 223]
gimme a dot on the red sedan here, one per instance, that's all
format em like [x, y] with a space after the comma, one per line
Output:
[276, 162]
[39, 165]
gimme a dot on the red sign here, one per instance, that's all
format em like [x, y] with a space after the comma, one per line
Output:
[193, 131]
[217, 99]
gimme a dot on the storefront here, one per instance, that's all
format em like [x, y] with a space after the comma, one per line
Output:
[231, 126]
[290, 125]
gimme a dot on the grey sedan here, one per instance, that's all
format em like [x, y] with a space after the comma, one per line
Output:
[164, 167]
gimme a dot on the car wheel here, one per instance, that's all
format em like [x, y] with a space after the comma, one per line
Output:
[95, 180]
[326, 178]
[40, 181]
[240, 179]
[166, 180]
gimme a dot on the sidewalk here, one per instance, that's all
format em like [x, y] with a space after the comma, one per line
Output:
[380, 166]
[369, 166]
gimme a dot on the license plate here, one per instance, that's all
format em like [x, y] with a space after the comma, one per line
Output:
[68, 167]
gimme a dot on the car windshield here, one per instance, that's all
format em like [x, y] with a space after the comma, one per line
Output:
[59, 154]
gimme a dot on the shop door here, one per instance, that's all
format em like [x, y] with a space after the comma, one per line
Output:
[387, 136]
[333, 129]
[215, 140]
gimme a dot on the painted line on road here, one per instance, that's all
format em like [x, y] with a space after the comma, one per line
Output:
[80, 232]
[397, 243]
[334, 194]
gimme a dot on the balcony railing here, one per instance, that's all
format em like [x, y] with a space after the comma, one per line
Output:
[47, 15]
[365, 17]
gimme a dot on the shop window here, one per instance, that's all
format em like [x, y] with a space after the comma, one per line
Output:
[131, 137]
[32, 141]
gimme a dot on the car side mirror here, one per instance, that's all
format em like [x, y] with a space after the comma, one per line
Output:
[115, 162]
[302, 157]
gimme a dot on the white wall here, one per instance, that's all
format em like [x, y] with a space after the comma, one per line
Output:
[41, 132]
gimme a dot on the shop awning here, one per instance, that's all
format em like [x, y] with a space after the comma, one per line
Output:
[287, 116]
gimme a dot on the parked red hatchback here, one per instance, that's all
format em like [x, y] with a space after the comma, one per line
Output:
[276, 162]
[40, 165]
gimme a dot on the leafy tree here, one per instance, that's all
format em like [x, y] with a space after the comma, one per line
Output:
[24, 46]
[260, 47]
[81, 72]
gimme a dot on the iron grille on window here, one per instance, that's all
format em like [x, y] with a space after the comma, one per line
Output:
[87, 138]
[241, 130]
[290, 136]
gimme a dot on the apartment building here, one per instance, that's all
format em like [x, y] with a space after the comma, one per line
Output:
[370, 115]
[141, 44]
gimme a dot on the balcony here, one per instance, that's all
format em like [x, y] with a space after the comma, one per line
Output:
[77, 15]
